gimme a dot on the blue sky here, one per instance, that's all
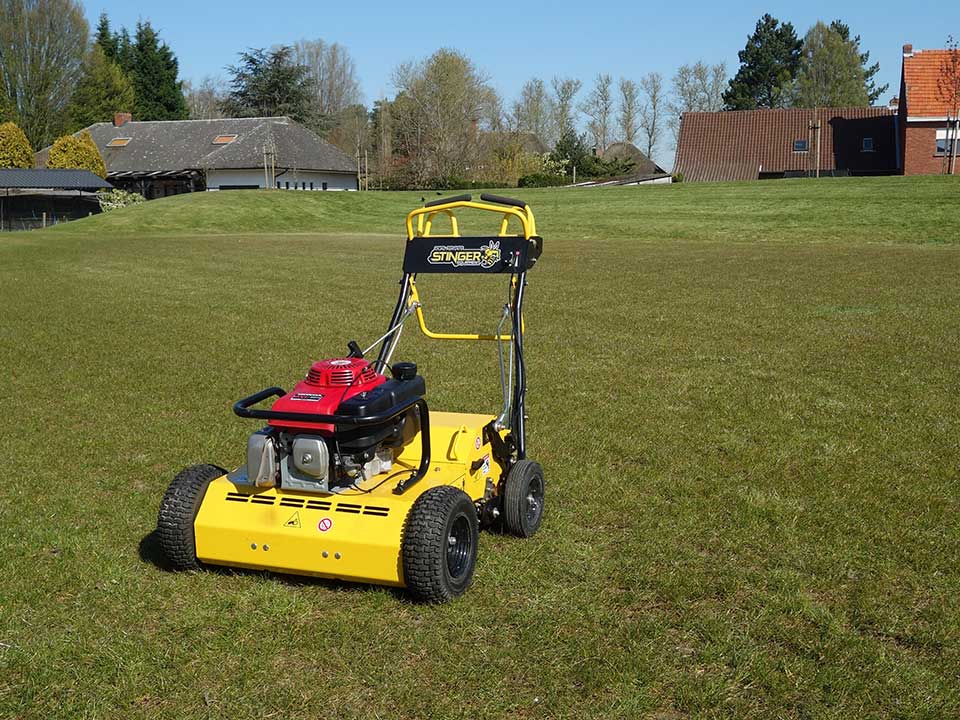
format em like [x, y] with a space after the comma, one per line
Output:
[512, 41]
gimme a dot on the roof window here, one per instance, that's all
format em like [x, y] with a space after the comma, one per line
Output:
[800, 146]
[224, 139]
[119, 142]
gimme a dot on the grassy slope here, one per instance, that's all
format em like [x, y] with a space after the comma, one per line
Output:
[752, 452]
[881, 209]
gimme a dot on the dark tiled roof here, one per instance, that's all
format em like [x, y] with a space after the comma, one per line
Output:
[174, 146]
[921, 74]
[33, 179]
[740, 145]
[642, 165]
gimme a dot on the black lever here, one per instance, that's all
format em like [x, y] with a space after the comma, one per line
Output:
[355, 351]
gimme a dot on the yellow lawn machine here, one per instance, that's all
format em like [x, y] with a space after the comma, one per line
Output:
[353, 477]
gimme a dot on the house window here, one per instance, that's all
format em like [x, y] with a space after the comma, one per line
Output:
[866, 144]
[224, 139]
[119, 142]
[800, 146]
[944, 146]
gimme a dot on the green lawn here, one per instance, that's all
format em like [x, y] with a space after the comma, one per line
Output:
[744, 396]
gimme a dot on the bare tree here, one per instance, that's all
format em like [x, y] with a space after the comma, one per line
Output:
[42, 47]
[334, 77]
[442, 105]
[948, 90]
[651, 111]
[352, 134]
[205, 99]
[697, 88]
[599, 107]
[532, 111]
[628, 119]
[564, 91]
[381, 122]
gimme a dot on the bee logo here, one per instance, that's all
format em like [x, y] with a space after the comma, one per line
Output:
[491, 255]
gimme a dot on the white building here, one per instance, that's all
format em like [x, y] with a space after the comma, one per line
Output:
[168, 157]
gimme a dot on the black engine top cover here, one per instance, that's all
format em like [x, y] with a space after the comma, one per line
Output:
[383, 397]
[373, 402]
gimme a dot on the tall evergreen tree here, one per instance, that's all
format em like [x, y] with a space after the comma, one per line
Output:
[269, 84]
[108, 40]
[768, 66]
[869, 71]
[831, 71]
[103, 90]
[158, 93]
[125, 51]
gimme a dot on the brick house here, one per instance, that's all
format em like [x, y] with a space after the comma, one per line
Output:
[924, 113]
[783, 143]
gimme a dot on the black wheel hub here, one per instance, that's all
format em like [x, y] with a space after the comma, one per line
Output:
[534, 501]
[459, 547]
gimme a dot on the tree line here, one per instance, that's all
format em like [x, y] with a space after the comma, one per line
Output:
[446, 123]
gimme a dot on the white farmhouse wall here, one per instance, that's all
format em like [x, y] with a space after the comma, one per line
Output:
[290, 179]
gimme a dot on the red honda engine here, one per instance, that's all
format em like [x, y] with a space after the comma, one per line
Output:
[327, 384]
[320, 457]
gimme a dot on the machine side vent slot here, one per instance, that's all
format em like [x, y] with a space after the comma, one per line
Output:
[237, 497]
[349, 508]
[318, 505]
[262, 499]
[291, 502]
[374, 510]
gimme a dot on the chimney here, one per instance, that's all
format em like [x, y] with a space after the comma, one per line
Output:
[908, 50]
[121, 118]
[894, 103]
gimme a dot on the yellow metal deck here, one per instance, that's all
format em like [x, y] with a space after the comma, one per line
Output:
[352, 535]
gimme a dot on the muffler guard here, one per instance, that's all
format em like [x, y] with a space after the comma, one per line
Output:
[348, 537]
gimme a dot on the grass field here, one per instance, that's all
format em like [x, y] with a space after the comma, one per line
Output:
[745, 399]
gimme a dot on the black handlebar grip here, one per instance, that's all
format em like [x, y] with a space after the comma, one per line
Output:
[355, 350]
[503, 200]
[444, 201]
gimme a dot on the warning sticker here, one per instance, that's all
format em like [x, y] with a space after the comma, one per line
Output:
[485, 468]
[294, 521]
[325, 524]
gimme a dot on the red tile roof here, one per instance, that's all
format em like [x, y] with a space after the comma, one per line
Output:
[921, 73]
[742, 144]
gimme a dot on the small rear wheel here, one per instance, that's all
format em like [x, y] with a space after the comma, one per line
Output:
[178, 510]
[523, 498]
[440, 545]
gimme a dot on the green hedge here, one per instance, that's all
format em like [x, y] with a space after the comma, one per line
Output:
[77, 152]
[15, 150]
[542, 180]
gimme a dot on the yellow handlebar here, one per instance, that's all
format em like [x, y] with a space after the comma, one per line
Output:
[425, 215]
[424, 222]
